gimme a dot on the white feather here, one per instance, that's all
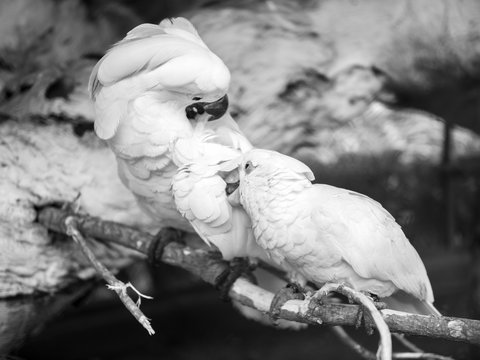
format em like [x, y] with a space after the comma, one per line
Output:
[328, 234]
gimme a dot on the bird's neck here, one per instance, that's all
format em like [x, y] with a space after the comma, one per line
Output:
[265, 198]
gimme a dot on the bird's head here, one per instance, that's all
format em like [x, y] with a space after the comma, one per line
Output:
[169, 61]
[260, 166]
[198, 82]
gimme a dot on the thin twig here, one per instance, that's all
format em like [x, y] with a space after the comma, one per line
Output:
[368, 355]
[385, 346]
[209, 267]
[421, 355]
[347, 340]
[114, 284]
[407, 343]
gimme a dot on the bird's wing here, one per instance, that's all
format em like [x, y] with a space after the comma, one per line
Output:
[142, 146]
[200, 195]
[149, 131]
[369, 239]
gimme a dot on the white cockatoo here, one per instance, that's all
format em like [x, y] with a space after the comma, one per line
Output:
[148, 91]
[155, 95]
[321, 233]
[201, 188]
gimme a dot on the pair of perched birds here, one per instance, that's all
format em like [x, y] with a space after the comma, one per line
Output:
[161, 105]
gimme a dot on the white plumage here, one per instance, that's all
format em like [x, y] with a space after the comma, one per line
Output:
[199, 190]
[141, 89]
[321, 233]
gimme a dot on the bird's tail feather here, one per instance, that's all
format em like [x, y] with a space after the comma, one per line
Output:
[402, 301]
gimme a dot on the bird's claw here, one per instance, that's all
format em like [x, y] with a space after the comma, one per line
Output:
[361, 318]
[375, 300]
[164, 237]
[319, 297]
[237, 267]
[291, 291]
[366, 320]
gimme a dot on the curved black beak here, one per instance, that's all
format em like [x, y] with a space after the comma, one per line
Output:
[217, 108]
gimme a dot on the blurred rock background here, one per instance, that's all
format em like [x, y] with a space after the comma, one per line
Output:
[376, 96]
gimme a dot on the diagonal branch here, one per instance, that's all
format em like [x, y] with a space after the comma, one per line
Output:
[113, 283]
[209, 266]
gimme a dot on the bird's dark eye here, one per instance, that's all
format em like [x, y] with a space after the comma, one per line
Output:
[248, 167]
[196, 98]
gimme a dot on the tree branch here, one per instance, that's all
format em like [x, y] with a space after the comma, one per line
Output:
[209, 266]
[347, 340]
[416, 353]
[113, 283]
[385, 347]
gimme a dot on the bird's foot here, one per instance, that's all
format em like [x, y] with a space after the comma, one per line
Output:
[361, 318]
[375, 299]
[327, 294]
[238, 267]
[321, 295]
[291, 291]
[164, 237]
[122, 287]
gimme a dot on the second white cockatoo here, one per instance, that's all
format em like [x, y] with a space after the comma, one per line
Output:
[148, 91]
[321, 233]
[201, 188]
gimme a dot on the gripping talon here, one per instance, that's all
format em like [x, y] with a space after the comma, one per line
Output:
[367, 321]
[238, 267]
[164, 237]
[360, 317]
[291, 291]
[321, 295]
